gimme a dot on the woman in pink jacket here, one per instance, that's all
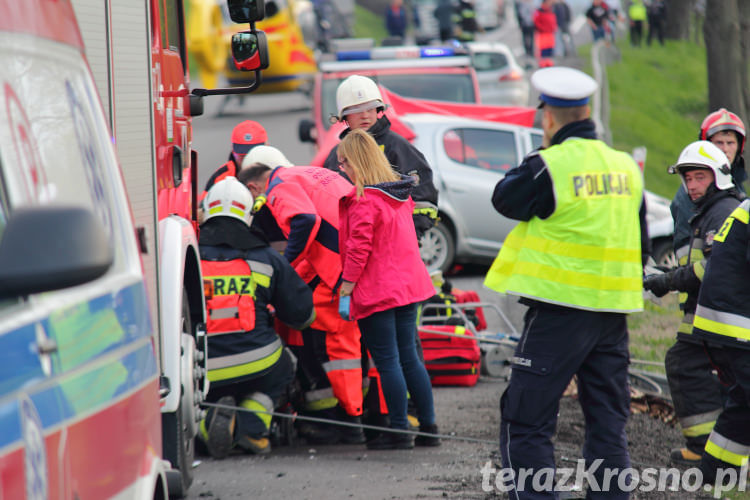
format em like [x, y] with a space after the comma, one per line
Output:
[385, 276]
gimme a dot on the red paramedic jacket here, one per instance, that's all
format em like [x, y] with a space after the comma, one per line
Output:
[305, 203]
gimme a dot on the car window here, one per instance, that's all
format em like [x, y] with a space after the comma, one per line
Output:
[536, 140]
[481, 148]
[454, 87]
[489, 61]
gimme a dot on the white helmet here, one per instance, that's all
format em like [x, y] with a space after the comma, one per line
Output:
[357, 93]
[267, 155]
[229, 198]
[704, 154]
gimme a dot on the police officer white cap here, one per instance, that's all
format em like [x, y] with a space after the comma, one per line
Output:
[563, 87]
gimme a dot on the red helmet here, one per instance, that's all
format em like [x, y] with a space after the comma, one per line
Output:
[723, 120]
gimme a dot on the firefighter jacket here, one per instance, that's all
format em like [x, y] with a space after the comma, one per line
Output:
[407, 160]
[586, 252]
[229, 169]
[247, 277]
[379, 251]
[305, 202]
[723, 311]
[713, 210]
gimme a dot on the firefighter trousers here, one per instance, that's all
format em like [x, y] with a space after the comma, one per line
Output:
[260, 393]
[696, 391]
[728, 446]
[557, 343]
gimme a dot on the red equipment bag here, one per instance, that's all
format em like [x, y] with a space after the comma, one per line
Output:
[450, 360]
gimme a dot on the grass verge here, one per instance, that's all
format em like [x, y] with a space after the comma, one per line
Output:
[367, 24]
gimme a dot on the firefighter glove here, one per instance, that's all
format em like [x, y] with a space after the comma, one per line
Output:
[658, 284]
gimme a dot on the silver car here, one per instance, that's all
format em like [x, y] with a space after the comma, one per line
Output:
[468, 157]
[502, 81]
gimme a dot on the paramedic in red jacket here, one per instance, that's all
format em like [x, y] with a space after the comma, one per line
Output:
[304, 202]
[385, 276]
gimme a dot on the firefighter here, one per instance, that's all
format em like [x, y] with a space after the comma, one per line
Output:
[575, 259]
[360, 105]
[722, 321]
[696, 392]
[304, 201]
[247, 363]
[727, 131]
[246, 135]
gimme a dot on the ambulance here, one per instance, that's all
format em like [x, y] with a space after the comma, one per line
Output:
[101, 306]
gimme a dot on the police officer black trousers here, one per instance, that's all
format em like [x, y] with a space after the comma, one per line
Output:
[592, 345]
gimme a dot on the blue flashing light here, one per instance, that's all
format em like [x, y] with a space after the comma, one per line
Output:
[353, 55]
[436, 52]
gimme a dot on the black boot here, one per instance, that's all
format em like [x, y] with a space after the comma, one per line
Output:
[391, 441]
[427, 440]
[351, 435]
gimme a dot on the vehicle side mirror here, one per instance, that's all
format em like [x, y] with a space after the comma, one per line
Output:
[246, 11]
[250, 50]
[50, 247]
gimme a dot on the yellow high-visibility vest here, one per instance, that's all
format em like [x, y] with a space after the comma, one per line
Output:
[587, 254]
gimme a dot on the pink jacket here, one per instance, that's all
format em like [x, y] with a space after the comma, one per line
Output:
[379, 249]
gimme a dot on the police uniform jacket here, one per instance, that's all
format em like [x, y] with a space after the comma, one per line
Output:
[276, 284]
[527, 191]
[723, 311]
[407, 160]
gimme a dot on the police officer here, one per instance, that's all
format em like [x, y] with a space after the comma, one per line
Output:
[575, 259]
[304, 201]
[727, 131]
[722, 320]
[360, 105]
[247, 363]
[696, 392]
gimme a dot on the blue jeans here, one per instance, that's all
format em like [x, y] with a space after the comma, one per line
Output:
[390, 337]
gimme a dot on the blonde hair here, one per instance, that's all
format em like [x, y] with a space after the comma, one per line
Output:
[364, 156]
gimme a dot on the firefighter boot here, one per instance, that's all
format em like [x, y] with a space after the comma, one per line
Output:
[391, 441]
[683, 456]
[427, 440]
[256, 446]
[218, 428]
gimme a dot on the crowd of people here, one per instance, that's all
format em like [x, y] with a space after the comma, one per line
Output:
[330, 326]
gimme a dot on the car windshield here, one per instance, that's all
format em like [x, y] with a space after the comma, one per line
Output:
[454, 87]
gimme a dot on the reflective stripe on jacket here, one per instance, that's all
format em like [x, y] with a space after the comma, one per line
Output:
[587, 253]
[723, 312]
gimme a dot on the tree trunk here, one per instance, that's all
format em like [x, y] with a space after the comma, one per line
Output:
[744, 68]
[727, 68]
[678, 19]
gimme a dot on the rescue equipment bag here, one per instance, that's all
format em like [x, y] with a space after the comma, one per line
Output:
[450, 360]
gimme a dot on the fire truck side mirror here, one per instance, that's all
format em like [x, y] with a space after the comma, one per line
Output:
[250, 50]
[246, 11]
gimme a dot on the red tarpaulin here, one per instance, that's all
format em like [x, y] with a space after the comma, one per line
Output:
[400, 106]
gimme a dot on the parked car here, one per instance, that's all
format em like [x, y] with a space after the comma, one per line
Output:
[468, 157]
[502, 81]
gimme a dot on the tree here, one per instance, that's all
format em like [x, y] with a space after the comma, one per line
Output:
[678, 19]
[726, 30]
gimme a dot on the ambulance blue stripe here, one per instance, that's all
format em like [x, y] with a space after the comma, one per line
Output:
[119, 359]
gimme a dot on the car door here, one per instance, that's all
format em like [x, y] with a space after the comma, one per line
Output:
[472, 159]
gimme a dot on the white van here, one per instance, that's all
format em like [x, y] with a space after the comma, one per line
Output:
[79, 382]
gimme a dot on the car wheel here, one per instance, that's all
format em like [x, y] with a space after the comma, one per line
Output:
[437, 248]
[663, 254]
[179, 428]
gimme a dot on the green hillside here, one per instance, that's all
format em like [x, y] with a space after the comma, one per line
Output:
[658, 98]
